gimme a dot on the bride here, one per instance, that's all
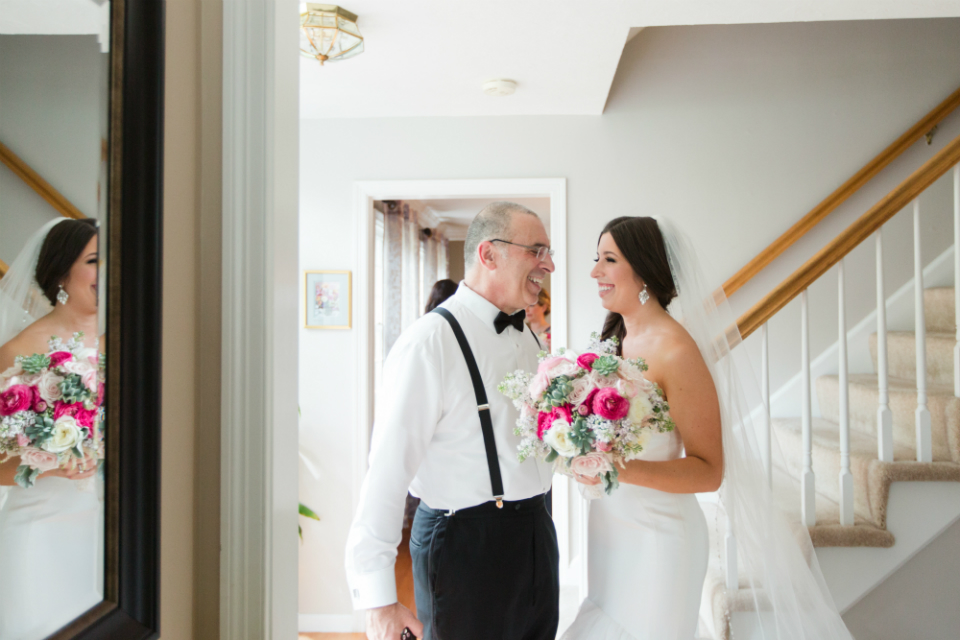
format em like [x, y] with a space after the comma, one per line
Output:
[50, 555]
[649, 540]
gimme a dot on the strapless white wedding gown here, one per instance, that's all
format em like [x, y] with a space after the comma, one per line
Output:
[51, 555]
[647, 559]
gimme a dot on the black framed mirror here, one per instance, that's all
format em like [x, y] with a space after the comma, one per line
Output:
[118, 44]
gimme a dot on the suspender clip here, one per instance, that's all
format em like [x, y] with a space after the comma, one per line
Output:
[450, 513]
[499, 502]
[483, 407]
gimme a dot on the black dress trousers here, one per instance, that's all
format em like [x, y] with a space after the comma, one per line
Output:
[485, 573]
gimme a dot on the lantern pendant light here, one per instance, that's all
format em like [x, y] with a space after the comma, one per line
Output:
[328, 33]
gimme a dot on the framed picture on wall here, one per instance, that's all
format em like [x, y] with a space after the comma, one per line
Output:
[328, 299]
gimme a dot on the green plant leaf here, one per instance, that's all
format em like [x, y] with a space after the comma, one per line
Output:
[308, 512]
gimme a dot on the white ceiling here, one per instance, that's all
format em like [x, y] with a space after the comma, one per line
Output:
[57, 17]
[430, 57]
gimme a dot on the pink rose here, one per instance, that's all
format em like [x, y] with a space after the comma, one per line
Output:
[539, 384]
[22, 440]
[603, 446]
[100, 395]
[591, 465]
[18, 397]
[59, 357]
[557, 366]
[37, 459]
[610, 405]
[585, 361]
[550, 363]
[90, 380]
[627, 388]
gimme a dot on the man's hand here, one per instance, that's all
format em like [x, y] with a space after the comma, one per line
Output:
[387, 623]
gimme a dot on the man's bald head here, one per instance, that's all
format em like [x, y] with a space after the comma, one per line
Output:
[492, 222]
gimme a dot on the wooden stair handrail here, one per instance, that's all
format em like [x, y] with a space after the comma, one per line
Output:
[842, 193]
[3, 268]
[849, 238]
[38, 184]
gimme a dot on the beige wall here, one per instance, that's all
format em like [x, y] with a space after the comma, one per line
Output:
[455, 256]
[190, 495]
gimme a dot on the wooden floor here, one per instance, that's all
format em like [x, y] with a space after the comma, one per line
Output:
[404, 573]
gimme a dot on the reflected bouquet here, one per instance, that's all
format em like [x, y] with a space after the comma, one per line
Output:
[50, 409]
[587, 412]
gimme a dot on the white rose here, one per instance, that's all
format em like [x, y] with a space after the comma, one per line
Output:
[581, 389]
[67, 434]
[49, 387]
[640, 408]
[79, 367]
[558, 437]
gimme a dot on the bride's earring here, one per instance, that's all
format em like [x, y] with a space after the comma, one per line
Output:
[644, 296]
[62, 296]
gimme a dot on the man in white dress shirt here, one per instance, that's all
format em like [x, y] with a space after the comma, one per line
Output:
[483, 544]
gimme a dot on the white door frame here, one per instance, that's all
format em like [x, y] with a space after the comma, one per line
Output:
[366, 192]
[260, 322]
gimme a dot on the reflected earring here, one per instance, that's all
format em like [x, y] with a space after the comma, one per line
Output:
[62, 296]
[644, 296]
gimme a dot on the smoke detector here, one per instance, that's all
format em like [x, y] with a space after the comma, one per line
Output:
[499, 87]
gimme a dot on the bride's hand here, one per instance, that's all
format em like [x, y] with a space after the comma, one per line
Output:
[587, 480]
[76, 469]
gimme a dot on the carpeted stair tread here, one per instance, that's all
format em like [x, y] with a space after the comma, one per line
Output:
[938, 309]
[902, 355]
[864, 400]
[871, 477]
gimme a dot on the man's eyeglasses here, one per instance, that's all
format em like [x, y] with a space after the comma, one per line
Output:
[539, 250]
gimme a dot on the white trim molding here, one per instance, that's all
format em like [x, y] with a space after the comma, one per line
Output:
[571, 565]
[258, 527]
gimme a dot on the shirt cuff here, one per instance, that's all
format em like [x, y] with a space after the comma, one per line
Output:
[374, 589]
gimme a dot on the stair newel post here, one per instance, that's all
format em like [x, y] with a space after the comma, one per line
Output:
[765, 392]
[884, 415]
[956, 278]
[846, 478]
[807, 494]
[924, 441]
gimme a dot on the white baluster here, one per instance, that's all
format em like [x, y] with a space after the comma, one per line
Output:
[846, 478]
[730, 548]
[765, 391]
[924, 442]
[884, 415]
[807, 495]
[956, 278]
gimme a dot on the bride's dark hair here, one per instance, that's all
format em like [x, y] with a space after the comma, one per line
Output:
[641, 243]
[60, 249]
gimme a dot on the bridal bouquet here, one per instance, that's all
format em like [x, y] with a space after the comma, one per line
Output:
[587, 412]
[50, 408]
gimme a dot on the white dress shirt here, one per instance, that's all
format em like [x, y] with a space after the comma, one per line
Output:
[427, 436]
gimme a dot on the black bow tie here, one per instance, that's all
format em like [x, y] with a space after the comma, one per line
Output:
[502, 321]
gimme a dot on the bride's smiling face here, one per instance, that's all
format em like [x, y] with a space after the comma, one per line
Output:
[81, 282]
[619, 285]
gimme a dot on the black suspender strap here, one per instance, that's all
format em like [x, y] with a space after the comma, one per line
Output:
[483, 407]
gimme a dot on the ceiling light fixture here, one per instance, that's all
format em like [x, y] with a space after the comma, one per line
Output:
[328, 33]
[500, 87]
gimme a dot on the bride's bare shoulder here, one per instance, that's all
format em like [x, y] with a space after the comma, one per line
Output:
[31, 340]
[678, 346]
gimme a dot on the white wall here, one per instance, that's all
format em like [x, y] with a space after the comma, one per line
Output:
[733, 131]
[51, 109]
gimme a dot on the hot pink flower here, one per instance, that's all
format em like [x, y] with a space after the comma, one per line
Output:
[588, 402]
[610, 405]
[545, 419]
[586, 360]
[59, 357]
[84, 417]
[18, 397]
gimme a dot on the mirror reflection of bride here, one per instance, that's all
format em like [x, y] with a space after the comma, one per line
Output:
[51, 557]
